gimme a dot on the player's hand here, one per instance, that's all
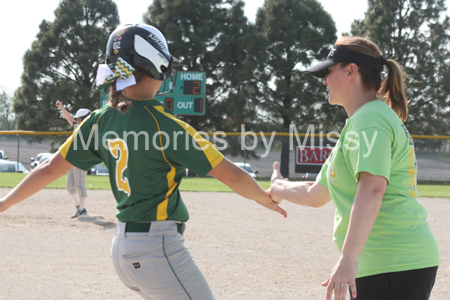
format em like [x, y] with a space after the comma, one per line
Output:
[269, 203]
[58, 104]
[343, 275]
[276, 175]
[3, 206]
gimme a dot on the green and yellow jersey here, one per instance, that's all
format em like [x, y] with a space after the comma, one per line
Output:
[374, 140]
[146, 151]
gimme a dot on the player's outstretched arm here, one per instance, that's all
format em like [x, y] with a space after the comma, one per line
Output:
[44, 174]
[65, 112]
[243, 184]
[305, 193]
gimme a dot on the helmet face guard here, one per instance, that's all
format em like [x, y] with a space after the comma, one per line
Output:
[142, 46]
[171, 79]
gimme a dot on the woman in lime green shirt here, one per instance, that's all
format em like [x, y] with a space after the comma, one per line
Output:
[387, 248]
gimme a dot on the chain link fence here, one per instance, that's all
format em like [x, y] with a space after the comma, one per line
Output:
[433, 153]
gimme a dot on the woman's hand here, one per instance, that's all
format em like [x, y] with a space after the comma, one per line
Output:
[343, 275]
[366, 206]
[276, 175]
[243, 184]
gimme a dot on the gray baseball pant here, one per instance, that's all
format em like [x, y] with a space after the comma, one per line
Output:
[157, 265]
[76, 181]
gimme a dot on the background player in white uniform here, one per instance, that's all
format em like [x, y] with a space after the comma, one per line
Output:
[76, 178]
[148, 251]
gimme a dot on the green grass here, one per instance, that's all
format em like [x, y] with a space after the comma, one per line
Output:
[434, 191]
[9, 180]
[210, 185]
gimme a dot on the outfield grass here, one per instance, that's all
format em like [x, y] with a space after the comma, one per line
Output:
[8, 180]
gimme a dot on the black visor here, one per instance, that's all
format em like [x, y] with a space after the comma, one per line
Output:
[342, 54]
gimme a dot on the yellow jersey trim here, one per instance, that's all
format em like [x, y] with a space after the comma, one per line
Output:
[161, 213]
[64, 149]
[209, 150]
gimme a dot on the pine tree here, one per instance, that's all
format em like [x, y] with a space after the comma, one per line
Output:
[62, 63]
[416, 33]
[7, 116]
[210, 36]
[291, 35]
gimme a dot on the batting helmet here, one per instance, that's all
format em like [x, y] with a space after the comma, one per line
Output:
[142, 46]
[82, 113]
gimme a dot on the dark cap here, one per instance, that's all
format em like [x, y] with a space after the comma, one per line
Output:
[342, 54]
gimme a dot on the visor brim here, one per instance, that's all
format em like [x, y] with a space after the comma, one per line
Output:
[321, 69]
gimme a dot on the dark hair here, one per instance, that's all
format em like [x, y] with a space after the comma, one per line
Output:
[116, 99]
[393, 87]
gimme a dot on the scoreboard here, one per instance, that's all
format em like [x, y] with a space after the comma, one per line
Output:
[188, 95]
[187, 98]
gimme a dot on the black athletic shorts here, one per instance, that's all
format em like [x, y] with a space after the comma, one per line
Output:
[406, 285]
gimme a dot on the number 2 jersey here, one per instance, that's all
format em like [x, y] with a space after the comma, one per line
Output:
[146, 151]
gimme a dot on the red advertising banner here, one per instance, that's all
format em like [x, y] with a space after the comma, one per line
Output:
[310, 156]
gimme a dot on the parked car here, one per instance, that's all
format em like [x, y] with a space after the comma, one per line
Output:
[2, 155]
[310, 175]
[99, 169]
[12, 167]
[189, 173]
[247, 168]
[36, 161]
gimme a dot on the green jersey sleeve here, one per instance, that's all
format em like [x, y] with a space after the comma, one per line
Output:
[80, 149]
[187, 147]
[195, 153]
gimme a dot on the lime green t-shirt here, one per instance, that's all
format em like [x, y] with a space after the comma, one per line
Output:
[146, 151]
[374, 140]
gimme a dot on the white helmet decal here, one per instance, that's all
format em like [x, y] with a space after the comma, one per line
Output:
[156, 36]
[143, 48]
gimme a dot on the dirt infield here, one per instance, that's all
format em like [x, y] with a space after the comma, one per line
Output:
[245, 251]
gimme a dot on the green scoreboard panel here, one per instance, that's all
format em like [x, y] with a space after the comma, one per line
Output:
[188, 96]
[104, 97]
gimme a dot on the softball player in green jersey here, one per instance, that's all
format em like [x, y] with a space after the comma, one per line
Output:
[146, 149]
[387, 248]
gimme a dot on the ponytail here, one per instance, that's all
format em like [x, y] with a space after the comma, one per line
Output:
[117, 99]
[393, 89]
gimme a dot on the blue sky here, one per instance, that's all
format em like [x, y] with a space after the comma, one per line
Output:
[36, 11]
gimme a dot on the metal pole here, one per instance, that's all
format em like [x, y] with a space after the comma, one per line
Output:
[245, 150]
[18, 150]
